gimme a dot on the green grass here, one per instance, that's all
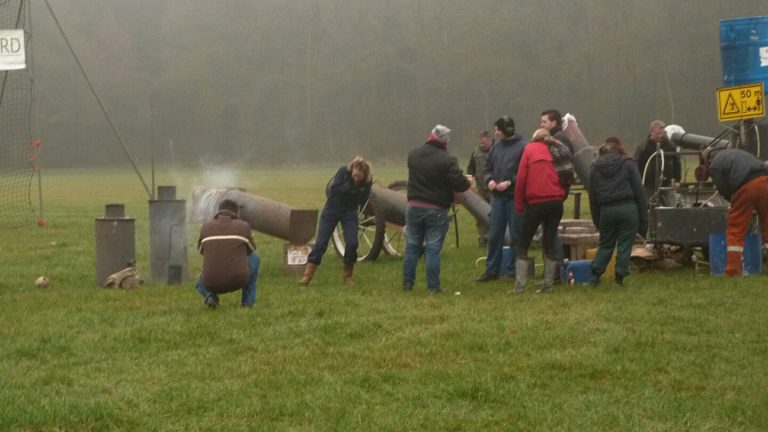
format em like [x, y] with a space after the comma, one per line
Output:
[672, 351]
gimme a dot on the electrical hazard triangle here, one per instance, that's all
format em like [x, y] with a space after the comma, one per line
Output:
[741, 102]
[730, 106]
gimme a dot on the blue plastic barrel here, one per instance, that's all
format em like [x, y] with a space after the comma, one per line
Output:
[578, 270]
[744, 51]
[751, 258]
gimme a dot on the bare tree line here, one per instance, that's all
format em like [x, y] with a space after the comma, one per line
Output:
[305, 81]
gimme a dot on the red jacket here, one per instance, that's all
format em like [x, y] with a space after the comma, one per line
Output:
[537, 180]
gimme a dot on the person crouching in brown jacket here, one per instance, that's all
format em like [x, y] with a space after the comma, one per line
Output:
[229, 260]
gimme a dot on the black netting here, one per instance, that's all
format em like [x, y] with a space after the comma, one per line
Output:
[17, 152]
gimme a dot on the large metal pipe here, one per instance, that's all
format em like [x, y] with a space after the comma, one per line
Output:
[480, 209]
[582, 161]
[696, 142]
[388, 204]
[262, 214]
[583, 153]
[476, 206]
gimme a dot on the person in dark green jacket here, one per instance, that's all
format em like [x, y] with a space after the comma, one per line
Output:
[619, 207]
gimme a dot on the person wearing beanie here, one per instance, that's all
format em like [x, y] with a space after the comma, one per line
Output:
[434, 177]
[500, 175]
[348, 190]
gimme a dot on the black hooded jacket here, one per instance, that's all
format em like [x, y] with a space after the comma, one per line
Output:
[344, 194]
[434, 175]
[614, 178]
[733, 168]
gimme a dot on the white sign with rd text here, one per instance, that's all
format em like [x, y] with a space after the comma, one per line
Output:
[12, 56]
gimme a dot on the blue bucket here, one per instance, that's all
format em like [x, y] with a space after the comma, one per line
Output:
[752, 256]
[578, 271]
[744, 51]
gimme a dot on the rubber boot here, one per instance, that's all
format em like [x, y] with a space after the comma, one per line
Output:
[595, 281]
[309, 272]
[550, 267]
[348, 270]
[521, 275]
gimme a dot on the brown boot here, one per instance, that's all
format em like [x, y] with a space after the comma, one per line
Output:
[348, 269]
[309, 271]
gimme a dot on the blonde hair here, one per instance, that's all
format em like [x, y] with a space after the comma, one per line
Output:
[361, 165]
[540, 135]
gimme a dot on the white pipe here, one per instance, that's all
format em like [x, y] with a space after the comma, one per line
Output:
[704, 204]
[647, 164]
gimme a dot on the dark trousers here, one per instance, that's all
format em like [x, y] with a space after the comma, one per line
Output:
[328, 220]
[547, 214]
[502, 218]
[618, 225]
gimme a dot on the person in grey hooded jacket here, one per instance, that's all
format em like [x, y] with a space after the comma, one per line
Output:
[619, 207]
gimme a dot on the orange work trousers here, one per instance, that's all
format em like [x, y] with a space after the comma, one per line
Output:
[751, 196]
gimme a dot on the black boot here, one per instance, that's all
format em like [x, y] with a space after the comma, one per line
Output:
[619, 280]
[595, 279]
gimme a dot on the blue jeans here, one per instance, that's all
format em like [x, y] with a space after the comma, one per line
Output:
[248, 297]
[425, 234]
[502, 217]
[328, 220]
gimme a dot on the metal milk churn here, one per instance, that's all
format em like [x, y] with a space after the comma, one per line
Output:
[168, 237]
[115, 242]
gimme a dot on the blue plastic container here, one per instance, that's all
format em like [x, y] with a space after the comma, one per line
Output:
[578, 270]
[744, 51]
[752, 256]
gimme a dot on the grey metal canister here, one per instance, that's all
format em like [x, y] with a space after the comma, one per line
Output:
[115, 242]
[168, 237]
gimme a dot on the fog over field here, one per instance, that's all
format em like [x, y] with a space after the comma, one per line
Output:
[305, 81]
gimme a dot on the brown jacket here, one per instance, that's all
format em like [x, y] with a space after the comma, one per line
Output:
[225, 242]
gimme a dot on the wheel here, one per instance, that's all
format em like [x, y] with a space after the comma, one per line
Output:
[374, 233]
[369, 231]
[393, 240]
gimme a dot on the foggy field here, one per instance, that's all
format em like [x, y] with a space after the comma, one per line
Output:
[671, 351]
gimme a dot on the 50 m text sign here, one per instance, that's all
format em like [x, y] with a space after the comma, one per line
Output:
[741, 102]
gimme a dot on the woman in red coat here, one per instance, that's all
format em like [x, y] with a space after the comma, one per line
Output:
[539, 194]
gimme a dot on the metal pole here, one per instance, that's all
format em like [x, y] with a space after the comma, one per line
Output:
[41, 219]
[30, 62]
[152, 145]
[98, 99]
[742, 135]
[577, 205]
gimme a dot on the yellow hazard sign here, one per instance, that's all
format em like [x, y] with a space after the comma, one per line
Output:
[741, 102]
